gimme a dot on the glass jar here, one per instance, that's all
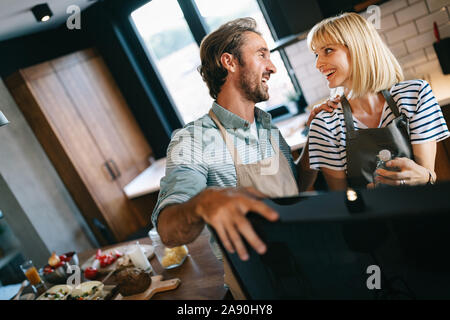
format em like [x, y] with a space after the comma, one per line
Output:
[169, 258]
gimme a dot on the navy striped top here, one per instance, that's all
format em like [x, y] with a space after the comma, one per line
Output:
[414, 98]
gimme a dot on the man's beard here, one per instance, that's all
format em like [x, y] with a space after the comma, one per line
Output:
[253, 88]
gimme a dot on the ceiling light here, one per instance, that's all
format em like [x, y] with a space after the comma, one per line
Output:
[42, 12]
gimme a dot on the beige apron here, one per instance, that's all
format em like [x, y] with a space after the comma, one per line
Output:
[271, 176]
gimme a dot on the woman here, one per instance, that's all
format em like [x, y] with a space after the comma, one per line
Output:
[378, 110]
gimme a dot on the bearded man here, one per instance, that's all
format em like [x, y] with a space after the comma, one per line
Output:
[219, 166]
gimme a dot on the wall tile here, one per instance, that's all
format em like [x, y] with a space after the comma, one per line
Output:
[426, 23]
[403, 32]
[410, 13]
[434, 5]
[430, 67]
[391, 6]
[399, 50]
[419, 42]
[413, 59]
[431, 54]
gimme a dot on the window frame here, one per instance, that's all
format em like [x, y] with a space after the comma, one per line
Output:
[199, 30]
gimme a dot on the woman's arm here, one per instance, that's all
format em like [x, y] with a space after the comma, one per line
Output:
[336, 179]
[412, 172]
[306, 175]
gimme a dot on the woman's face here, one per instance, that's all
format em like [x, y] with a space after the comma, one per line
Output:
[333, 61]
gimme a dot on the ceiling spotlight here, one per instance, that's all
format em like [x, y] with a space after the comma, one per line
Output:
[42, 12]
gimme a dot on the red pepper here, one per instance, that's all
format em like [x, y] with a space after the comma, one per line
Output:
[99, 253]
[90, 273]
[117, 253]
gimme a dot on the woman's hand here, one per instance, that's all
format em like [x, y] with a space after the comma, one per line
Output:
[329, 106]
[409, 173]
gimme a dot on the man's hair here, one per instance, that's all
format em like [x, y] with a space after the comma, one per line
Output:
[228, 38]
[373, 66]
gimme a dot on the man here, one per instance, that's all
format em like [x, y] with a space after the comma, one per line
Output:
[220, 165]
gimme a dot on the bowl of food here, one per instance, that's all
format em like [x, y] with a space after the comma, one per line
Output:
[55, 272]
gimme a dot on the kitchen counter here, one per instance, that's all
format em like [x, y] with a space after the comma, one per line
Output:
[201, 274]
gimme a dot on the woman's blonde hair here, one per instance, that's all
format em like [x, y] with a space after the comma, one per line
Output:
[373, 66]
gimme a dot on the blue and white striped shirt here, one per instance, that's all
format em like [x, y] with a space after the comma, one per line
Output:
[414, 99]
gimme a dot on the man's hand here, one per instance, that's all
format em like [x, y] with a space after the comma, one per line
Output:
[329, 106]
[225, 211]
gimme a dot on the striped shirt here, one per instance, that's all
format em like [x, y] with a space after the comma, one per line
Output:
[414, 99]
[197, 156]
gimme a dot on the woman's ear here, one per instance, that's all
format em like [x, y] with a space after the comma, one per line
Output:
[228, 62]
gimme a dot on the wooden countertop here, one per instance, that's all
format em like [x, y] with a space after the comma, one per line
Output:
[201, 274]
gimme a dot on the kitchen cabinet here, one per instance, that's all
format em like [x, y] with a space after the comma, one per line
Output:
[80, 117]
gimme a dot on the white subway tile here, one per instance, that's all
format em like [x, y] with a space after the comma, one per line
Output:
[413, 59]
[391, 6]
[444, 31]
[412, 12]
[388, 22]
[401, 33]
[399, 50]
[431, 54]
[426, 23]
[430, 67]
[421, 41]
[434, 5]
[410, 74]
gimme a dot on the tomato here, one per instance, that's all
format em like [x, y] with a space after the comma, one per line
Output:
[64, 258]
[90, 273]
[48, 269]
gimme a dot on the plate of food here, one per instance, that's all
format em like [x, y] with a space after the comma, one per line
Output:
[59, 292]
[108, 260]
[90, 290]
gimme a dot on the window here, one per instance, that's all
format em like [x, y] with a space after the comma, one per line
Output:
[170, 44]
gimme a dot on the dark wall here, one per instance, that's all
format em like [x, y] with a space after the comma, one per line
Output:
[291, 17]
[296, 16]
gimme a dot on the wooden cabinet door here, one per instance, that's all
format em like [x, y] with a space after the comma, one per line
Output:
[108, 119]
[79, 138]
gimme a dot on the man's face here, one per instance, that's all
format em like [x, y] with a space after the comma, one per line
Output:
[255, 68]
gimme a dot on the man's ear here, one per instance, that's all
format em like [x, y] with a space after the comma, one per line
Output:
[228, 62]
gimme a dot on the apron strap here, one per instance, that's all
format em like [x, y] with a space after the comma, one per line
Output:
[348, 118]
[228, 140]
[391, 103]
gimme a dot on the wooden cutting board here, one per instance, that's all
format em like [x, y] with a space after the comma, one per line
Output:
[157, 285]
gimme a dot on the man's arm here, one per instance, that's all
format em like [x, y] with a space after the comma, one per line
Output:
[224, 210]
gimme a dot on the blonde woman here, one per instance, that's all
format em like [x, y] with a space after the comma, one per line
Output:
[378, 110]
